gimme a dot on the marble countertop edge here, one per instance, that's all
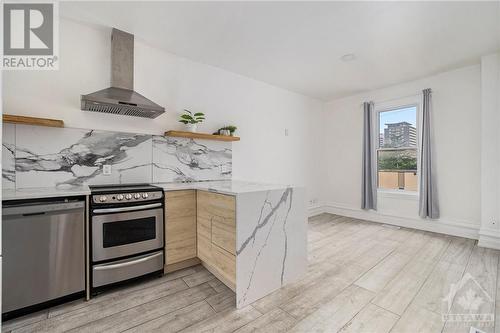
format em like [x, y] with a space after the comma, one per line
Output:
[230, 187]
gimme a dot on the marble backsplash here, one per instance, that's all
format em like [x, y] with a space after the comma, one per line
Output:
[35, 156]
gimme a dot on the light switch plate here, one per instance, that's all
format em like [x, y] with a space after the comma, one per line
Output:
[106, 169]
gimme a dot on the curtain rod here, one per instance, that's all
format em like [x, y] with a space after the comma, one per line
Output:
[395, 99]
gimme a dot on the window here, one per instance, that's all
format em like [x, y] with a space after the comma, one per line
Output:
[397, 149]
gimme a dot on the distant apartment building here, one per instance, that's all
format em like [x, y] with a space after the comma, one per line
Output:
[402, 134]
[381, 140]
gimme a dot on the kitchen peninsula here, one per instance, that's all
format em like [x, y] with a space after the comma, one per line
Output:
[251, 236]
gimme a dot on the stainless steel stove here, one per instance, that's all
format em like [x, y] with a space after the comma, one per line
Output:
[127, 233]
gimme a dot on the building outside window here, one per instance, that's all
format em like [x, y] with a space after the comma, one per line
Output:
[397, 149]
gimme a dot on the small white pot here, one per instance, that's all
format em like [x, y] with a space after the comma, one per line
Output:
[191, 127]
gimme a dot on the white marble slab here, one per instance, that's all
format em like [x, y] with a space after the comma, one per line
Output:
[8, 156]
[231, 187]
[182, 159]
[36, 156]
[271, 241]
[51, 157]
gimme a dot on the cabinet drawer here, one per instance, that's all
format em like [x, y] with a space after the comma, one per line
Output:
[225, 264]
[215, 204]
[224, 233]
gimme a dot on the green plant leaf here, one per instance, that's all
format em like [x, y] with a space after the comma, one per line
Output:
[188, 111]
[197, 114]
[186, 116]
[185, 122]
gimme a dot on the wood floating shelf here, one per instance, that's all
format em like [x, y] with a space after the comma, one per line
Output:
[203, 136]
[7, 118]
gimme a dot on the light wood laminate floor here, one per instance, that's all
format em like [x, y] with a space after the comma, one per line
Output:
[362, 277]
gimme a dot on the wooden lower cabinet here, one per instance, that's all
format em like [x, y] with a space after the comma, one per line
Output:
[216, 234]
[180, 227]
[201, 225]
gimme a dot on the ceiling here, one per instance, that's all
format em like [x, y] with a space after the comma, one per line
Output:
[298, 45]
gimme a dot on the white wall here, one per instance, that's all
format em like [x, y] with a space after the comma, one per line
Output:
[261, 111]
[490, 151]
[457, 124]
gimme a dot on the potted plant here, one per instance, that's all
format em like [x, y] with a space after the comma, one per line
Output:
[227, 130]
[191, 120]
[231, 129]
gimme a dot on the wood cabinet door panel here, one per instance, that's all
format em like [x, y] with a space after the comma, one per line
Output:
[180, 226]
[225, 264]
[181, 239]
[180, 203]
[215, 204]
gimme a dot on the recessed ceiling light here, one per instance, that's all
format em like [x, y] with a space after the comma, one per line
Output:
[348, 57]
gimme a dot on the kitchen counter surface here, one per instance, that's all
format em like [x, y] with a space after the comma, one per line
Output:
[44, 192]
[231, 187]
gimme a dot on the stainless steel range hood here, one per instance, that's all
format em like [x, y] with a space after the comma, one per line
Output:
[121, 98]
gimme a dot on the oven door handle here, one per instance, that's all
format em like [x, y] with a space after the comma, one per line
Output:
[127, 263]
[125, 209]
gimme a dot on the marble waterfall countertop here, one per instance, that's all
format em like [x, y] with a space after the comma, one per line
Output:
[231, 187]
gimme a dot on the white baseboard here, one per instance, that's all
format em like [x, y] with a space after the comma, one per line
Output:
[489, 238]
[442, 226]
[316, 210]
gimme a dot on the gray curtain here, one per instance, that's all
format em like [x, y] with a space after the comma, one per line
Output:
[369, 180]
[428, 200]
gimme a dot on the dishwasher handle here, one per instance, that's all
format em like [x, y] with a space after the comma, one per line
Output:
[42, 208]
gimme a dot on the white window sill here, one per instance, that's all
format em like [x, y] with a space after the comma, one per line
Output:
[397, 194]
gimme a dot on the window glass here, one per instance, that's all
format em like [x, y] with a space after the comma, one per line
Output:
[397, 149]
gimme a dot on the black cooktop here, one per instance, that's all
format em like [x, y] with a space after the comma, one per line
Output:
[140, 187]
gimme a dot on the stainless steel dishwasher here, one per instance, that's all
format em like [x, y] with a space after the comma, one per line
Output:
[43, 253]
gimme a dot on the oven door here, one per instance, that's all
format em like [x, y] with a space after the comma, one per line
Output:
[126, 231]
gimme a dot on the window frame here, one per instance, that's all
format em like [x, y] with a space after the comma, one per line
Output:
[394, 106]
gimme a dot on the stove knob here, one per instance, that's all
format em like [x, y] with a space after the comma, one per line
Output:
[128, 196]
[119, 197]
[137, 196]
[103, 198]
[145, 195]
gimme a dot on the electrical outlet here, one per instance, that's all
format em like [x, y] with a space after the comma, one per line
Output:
[224, 169]
[106, 169]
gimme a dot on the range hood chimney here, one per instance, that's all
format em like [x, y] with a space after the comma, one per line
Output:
[121, 98]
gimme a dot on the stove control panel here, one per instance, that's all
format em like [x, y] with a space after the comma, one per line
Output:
[126, 197]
